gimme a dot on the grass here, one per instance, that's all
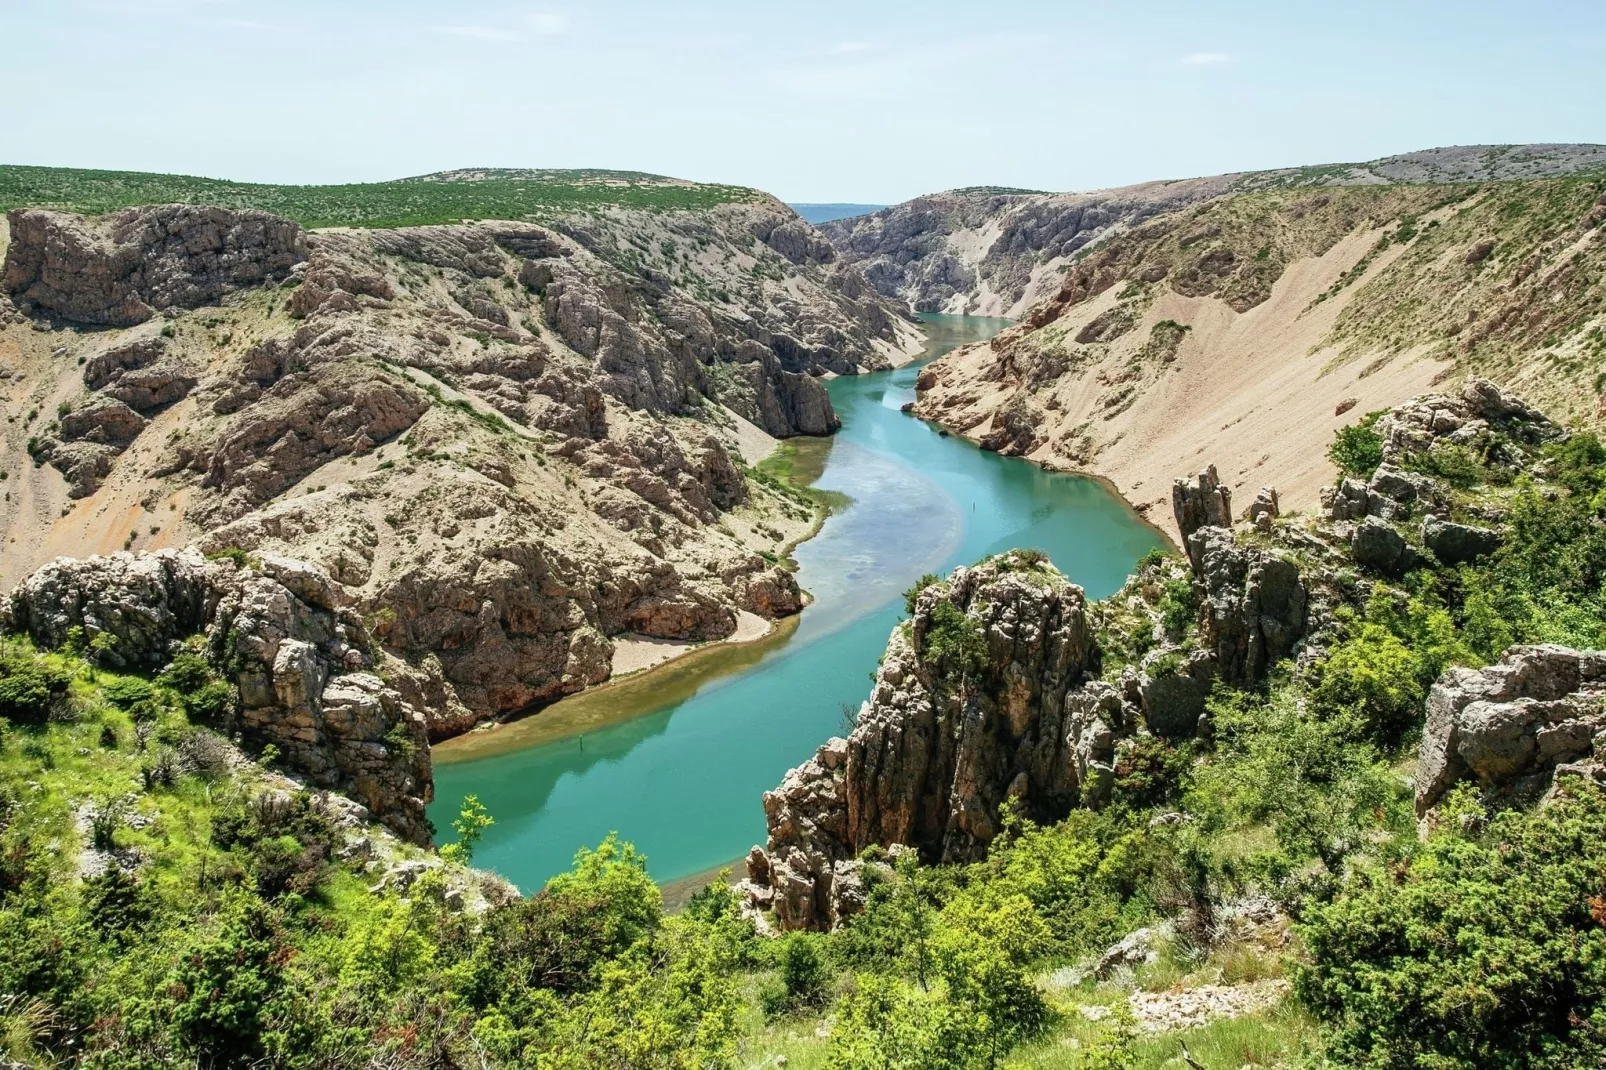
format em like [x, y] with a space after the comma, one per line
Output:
[1281, 1037]
[452, 198]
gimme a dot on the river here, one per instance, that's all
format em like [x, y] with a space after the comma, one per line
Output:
[677, 759]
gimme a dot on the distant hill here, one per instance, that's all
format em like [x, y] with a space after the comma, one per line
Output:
[447, 197]
[825, 213]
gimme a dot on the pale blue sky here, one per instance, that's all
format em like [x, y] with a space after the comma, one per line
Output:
[866, 101]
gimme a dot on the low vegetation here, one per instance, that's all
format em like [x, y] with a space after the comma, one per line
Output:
[516, 195]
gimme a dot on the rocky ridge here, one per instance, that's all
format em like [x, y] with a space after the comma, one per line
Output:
[505, 444]
[1252, 326]
[994, 251]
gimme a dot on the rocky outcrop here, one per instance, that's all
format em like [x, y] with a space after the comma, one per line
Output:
[983, 696]
[1255, 604]
[994, 692]
[283, 631]
[144, 602]
[125, 268]
[506, 442]
[1204, 503]
[1512, 727]
[993, 251]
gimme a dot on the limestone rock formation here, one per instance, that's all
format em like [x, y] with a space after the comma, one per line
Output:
[1204, 503]
[284, 632]
[994, 691]
[980, 699]
[145, 602]
[1514, 725]
[992, 251]
[1255, 604]
[507, 443]
[123, 269]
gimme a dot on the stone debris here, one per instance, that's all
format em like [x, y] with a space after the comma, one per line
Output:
[1189, 1008]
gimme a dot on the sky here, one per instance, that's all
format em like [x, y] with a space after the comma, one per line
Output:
[871, 102]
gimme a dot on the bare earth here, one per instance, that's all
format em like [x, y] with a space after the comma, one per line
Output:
[634, 653]
[1252, 393]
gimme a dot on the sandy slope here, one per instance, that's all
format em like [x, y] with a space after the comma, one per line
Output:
[1252, 393]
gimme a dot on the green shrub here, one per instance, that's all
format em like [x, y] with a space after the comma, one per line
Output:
[1179, 608]
[911, 597]
[1357, 450]
[1483, 953]
[1375, 679]
[127, 692]
[1454, 464]
[954, 642]
[804, 978]
[31, 688]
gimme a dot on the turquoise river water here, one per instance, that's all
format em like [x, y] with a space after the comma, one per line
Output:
[676, 760]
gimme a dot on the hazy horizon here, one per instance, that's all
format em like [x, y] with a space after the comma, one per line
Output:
[823, 103]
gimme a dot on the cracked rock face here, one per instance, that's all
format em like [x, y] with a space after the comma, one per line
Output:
[510, 444]
[1513, 726]
[938, 748]
[284, 632]
[122, 270]
[1256, 605]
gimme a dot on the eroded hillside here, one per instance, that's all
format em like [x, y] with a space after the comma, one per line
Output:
[1248, 328]
[510, 445]
[995, 252]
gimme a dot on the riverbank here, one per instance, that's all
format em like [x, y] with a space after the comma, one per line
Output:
[676, 759]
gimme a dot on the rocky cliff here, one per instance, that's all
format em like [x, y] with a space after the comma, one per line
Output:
[1006, 688]
[995, 252]
[462, 462]
[311, 680]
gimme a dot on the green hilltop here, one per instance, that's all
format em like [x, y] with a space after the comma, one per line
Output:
[448, 197]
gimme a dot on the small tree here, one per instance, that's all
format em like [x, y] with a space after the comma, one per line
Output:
[1357, 450]
[470, 824]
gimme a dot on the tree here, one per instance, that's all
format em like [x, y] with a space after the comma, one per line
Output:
[470, 824]
[1357, 450]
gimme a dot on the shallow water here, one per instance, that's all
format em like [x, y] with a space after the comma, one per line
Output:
[677, 760]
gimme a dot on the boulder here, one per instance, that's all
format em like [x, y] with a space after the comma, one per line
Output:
[1377, 546]
[1264, 509]
[1454, 543]
[146, 603]
[1513, 725]
[1173, 696]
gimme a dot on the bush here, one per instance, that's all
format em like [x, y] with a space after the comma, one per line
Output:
[1357, 450]
[912, 596]
[954, 642]
[1179, 608]
[1454, 464]
[803, 977]
[1374, 679]
[30, 688]
[1486, 953]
